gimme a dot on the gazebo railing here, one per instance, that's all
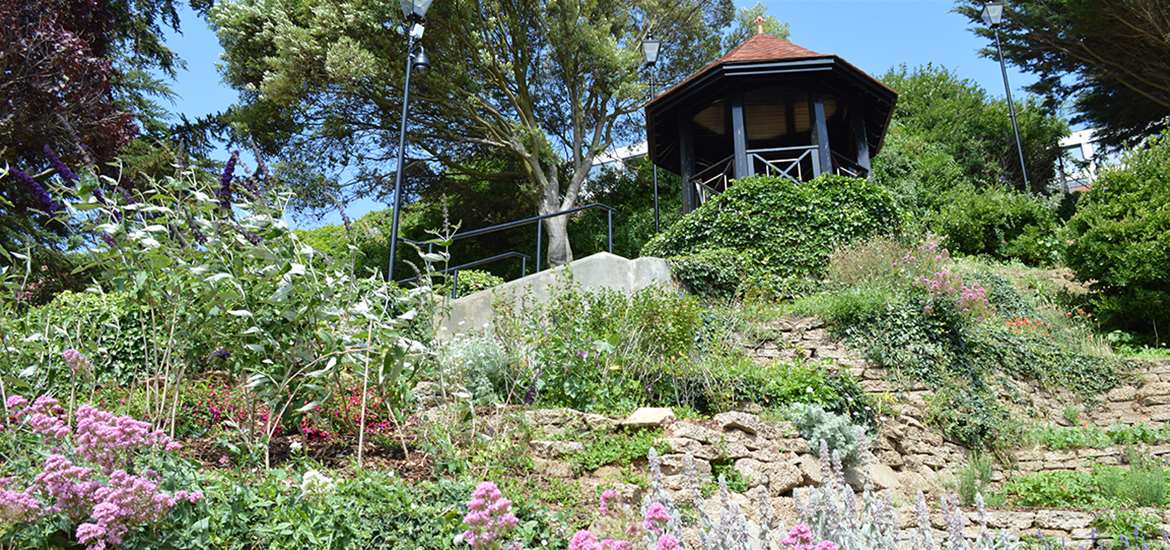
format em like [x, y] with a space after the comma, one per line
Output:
[714, 179]
[795, 163]
[845, 166]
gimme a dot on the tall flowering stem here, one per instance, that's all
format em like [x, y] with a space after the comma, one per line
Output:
[44, 201]
[224, 194]
[62, 169]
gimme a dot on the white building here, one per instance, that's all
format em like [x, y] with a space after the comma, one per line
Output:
[1082, 157]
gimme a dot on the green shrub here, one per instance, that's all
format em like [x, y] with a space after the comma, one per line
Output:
[816, 424]
[604, 350]
[918, 172]
[779, 385]
[471, 280]
[365, 510]
[478, 363]
[108, 328]
[780, 227]
[617, 449]
[714, 273]
[609, 352]
[1134, 526]
[972, 417]
[1120, 240]
[974, 479]
[998, 223]
[1144, 484]
[881, 302]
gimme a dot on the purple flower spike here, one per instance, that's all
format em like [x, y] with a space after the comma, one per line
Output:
[225, 182]
[63, 170]
[44, 201]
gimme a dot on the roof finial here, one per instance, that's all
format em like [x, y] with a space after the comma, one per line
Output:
[759, 24]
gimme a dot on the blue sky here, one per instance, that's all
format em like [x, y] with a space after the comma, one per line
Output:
[872, 34]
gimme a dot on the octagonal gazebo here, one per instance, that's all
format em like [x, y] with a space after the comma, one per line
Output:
[768, 107]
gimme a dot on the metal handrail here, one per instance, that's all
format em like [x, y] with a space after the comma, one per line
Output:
[525, 221]
[454, 270]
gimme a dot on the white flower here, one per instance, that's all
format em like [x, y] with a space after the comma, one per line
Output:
[314, 483]
[295, 446]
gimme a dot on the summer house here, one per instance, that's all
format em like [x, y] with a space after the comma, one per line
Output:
[768, 107]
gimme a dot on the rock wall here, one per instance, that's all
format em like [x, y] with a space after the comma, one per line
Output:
[908, 456]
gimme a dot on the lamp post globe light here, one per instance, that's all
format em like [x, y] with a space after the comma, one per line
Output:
[993, 17]
[650, 47]
[414, 12]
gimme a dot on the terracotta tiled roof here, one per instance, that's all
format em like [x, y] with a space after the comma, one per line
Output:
[758, 48]
[765, 47]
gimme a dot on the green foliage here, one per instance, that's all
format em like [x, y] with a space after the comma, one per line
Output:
[1120, 240]
[1051, 40]
[714, 273]
[943, 113]
[1134, 527]
[736, 482]
[917, 172]
[602, 350]
[477, 363]
[1144, 484]
[471, 280]
[589, 52]
[605, 351]
[780, 227]
[999, 223]
[200, 286]
[843, 438]
[974, 479]
[367, 510]
[110, 329]
[616, 449]
[778, 385]
[878, 302]
[971, 417]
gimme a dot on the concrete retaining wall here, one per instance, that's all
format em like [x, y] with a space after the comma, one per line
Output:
[603, 270]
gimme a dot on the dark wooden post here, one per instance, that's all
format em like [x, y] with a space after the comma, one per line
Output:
[739, 137]
[857, 121]
[686, 161]
[820, 128]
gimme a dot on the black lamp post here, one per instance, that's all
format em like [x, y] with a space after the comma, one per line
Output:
[414, 12]
[993, 16]
[650, 48]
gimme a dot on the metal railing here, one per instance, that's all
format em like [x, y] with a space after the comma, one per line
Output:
[513, 254]
[454, 270]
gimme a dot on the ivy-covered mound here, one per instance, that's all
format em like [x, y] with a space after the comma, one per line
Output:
[774, 228]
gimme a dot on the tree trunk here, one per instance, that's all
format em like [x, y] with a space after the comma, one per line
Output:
[557, 231]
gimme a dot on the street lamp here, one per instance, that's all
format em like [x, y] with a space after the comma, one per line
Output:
[415, 13]
[650, 47]
[993, 16]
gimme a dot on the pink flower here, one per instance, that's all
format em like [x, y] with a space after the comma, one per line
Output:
[656, 518]
[584, 540]
[489, 518]
[607, 496]
[77, 362]
[666, 542]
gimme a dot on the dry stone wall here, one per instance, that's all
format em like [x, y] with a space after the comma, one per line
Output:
[907, 456]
